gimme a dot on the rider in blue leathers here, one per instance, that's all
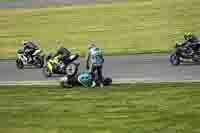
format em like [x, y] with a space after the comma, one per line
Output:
[86, 80]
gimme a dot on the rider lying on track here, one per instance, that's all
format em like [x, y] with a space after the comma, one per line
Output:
[84, 79]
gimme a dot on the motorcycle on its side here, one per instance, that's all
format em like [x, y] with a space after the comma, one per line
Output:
[69, 68]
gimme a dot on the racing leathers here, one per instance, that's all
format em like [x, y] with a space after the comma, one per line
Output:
[86, 79]
[62, 54]
[29, 49]
[192, 42]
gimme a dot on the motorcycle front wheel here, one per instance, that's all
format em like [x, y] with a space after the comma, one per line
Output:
[174, 59]
[19, 64]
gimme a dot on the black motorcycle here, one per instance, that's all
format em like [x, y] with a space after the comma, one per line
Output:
[183, 53]
[36, 60]
[69, 66]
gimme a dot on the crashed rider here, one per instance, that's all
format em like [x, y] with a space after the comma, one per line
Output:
[94, 62]
[191, 41]
[62, 54]
[84, 79]
[29, 49]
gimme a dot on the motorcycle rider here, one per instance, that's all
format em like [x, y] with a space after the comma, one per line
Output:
[62, 54]
[83, 79]
[94, 62]
[29, 49]
[86, 79]
[192, 42]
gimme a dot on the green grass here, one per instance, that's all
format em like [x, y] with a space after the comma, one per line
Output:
[136, 26]
[139, 108]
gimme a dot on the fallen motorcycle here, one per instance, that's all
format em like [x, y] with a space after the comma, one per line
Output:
[37, 59]
[182, 53]
[69, 68]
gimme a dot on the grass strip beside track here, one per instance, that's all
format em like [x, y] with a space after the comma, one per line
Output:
[137, 26]
[140, 108]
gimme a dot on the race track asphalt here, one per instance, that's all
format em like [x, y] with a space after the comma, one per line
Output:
[147, 67]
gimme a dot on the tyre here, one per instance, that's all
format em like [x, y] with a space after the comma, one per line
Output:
[19, 64]
[46, 72]
[174, 60]
[39, 62]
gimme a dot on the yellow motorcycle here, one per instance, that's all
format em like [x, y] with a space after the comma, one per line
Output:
[57, 66]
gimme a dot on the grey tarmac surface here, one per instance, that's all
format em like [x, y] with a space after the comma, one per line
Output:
[147, 68]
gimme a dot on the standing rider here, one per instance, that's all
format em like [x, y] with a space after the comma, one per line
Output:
[94, 62]
[29, 49]
[191, 41]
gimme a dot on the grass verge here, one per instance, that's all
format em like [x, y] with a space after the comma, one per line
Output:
[138, 108]
[137, 26]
